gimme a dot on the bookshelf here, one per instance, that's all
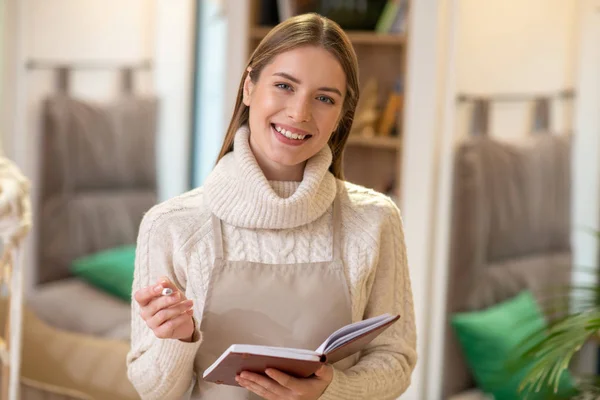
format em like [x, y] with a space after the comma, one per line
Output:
[373, 161]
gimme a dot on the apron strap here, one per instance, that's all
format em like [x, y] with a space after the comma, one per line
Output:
[218, 237]
[337, 227]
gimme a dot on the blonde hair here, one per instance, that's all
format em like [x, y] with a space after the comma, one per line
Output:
[303, 30]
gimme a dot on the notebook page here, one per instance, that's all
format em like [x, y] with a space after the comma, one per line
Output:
[339, 342]
[353, 330]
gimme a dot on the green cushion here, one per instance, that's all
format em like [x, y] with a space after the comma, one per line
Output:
[491, 338]
[109, 270]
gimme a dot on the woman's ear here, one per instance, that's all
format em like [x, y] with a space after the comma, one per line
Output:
[248, 87]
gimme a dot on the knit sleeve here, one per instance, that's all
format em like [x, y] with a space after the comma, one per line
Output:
[157, 368]
[385, 366]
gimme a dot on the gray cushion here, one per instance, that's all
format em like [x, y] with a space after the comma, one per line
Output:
[98, 170]
[85, 223]
[73, 305]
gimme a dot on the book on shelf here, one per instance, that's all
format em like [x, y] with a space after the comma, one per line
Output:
[399, 24]
[393, 17]
[392, 112]
[286, 9]
[300, 363]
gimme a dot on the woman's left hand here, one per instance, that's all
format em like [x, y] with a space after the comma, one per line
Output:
[281, 386]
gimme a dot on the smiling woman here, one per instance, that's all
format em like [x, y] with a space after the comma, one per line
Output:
[276, 249]
[290, 54]
[295, 101]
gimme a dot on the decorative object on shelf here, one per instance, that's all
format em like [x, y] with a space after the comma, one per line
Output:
[393, 110]
[286, 9]
[393, 18]
[367, 112]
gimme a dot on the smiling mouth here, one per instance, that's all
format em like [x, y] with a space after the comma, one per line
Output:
[290, 135]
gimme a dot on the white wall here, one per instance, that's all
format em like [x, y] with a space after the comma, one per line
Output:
[512, 46]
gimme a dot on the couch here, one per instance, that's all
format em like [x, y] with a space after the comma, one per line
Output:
[98, 178]
[511, 231]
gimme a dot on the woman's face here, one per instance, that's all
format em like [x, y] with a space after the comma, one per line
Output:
[295, 106]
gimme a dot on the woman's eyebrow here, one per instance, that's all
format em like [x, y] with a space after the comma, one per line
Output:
[297, 81]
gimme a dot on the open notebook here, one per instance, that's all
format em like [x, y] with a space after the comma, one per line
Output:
[297, 362]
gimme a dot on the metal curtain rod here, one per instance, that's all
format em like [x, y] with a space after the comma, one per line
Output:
[516, 97]
[89, 65]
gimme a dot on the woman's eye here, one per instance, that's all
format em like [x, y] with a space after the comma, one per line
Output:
[326, 99]
[283, 86]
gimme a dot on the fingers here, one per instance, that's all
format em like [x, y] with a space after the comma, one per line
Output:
[159, 303]
[262, 386]
[255, 388]
[268, 384]
[167, 330]
[283, 379]
[165, 314]
[145, 295]
[325, 372]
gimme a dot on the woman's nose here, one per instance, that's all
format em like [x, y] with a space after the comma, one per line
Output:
[299, 110]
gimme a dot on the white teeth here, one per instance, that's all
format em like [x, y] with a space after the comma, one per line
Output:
[289, 134]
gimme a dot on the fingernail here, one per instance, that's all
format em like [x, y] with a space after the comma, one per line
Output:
[190, 311]
[158, 288]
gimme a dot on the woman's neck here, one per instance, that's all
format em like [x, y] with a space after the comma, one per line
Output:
[274, 171]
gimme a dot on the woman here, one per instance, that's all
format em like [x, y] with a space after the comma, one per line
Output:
[276, 249]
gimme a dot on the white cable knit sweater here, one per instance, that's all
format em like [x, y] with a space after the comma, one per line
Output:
[277, 222]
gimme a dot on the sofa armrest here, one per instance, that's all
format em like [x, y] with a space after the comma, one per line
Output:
[88, 364]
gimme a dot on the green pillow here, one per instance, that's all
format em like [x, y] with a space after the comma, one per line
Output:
[490, 340]
[110, 270]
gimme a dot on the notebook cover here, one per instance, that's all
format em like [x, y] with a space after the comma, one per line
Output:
[356, 344]
[235, 363]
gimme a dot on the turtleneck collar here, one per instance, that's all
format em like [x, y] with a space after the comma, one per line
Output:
[238, 192]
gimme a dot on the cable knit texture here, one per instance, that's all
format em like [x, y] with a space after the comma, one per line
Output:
[277, 222]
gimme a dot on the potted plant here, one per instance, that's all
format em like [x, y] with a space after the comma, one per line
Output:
[576, 312]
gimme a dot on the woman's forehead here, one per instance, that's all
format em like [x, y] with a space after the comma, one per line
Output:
[309, 65]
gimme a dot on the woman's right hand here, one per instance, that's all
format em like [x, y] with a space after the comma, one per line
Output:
[169, 316]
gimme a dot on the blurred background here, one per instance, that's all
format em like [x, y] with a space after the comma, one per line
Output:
[481, 119]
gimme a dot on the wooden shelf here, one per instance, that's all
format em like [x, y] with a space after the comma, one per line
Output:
[378, 142]
[357, 37]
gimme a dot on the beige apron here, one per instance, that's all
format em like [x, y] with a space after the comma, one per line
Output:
[291, 305]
